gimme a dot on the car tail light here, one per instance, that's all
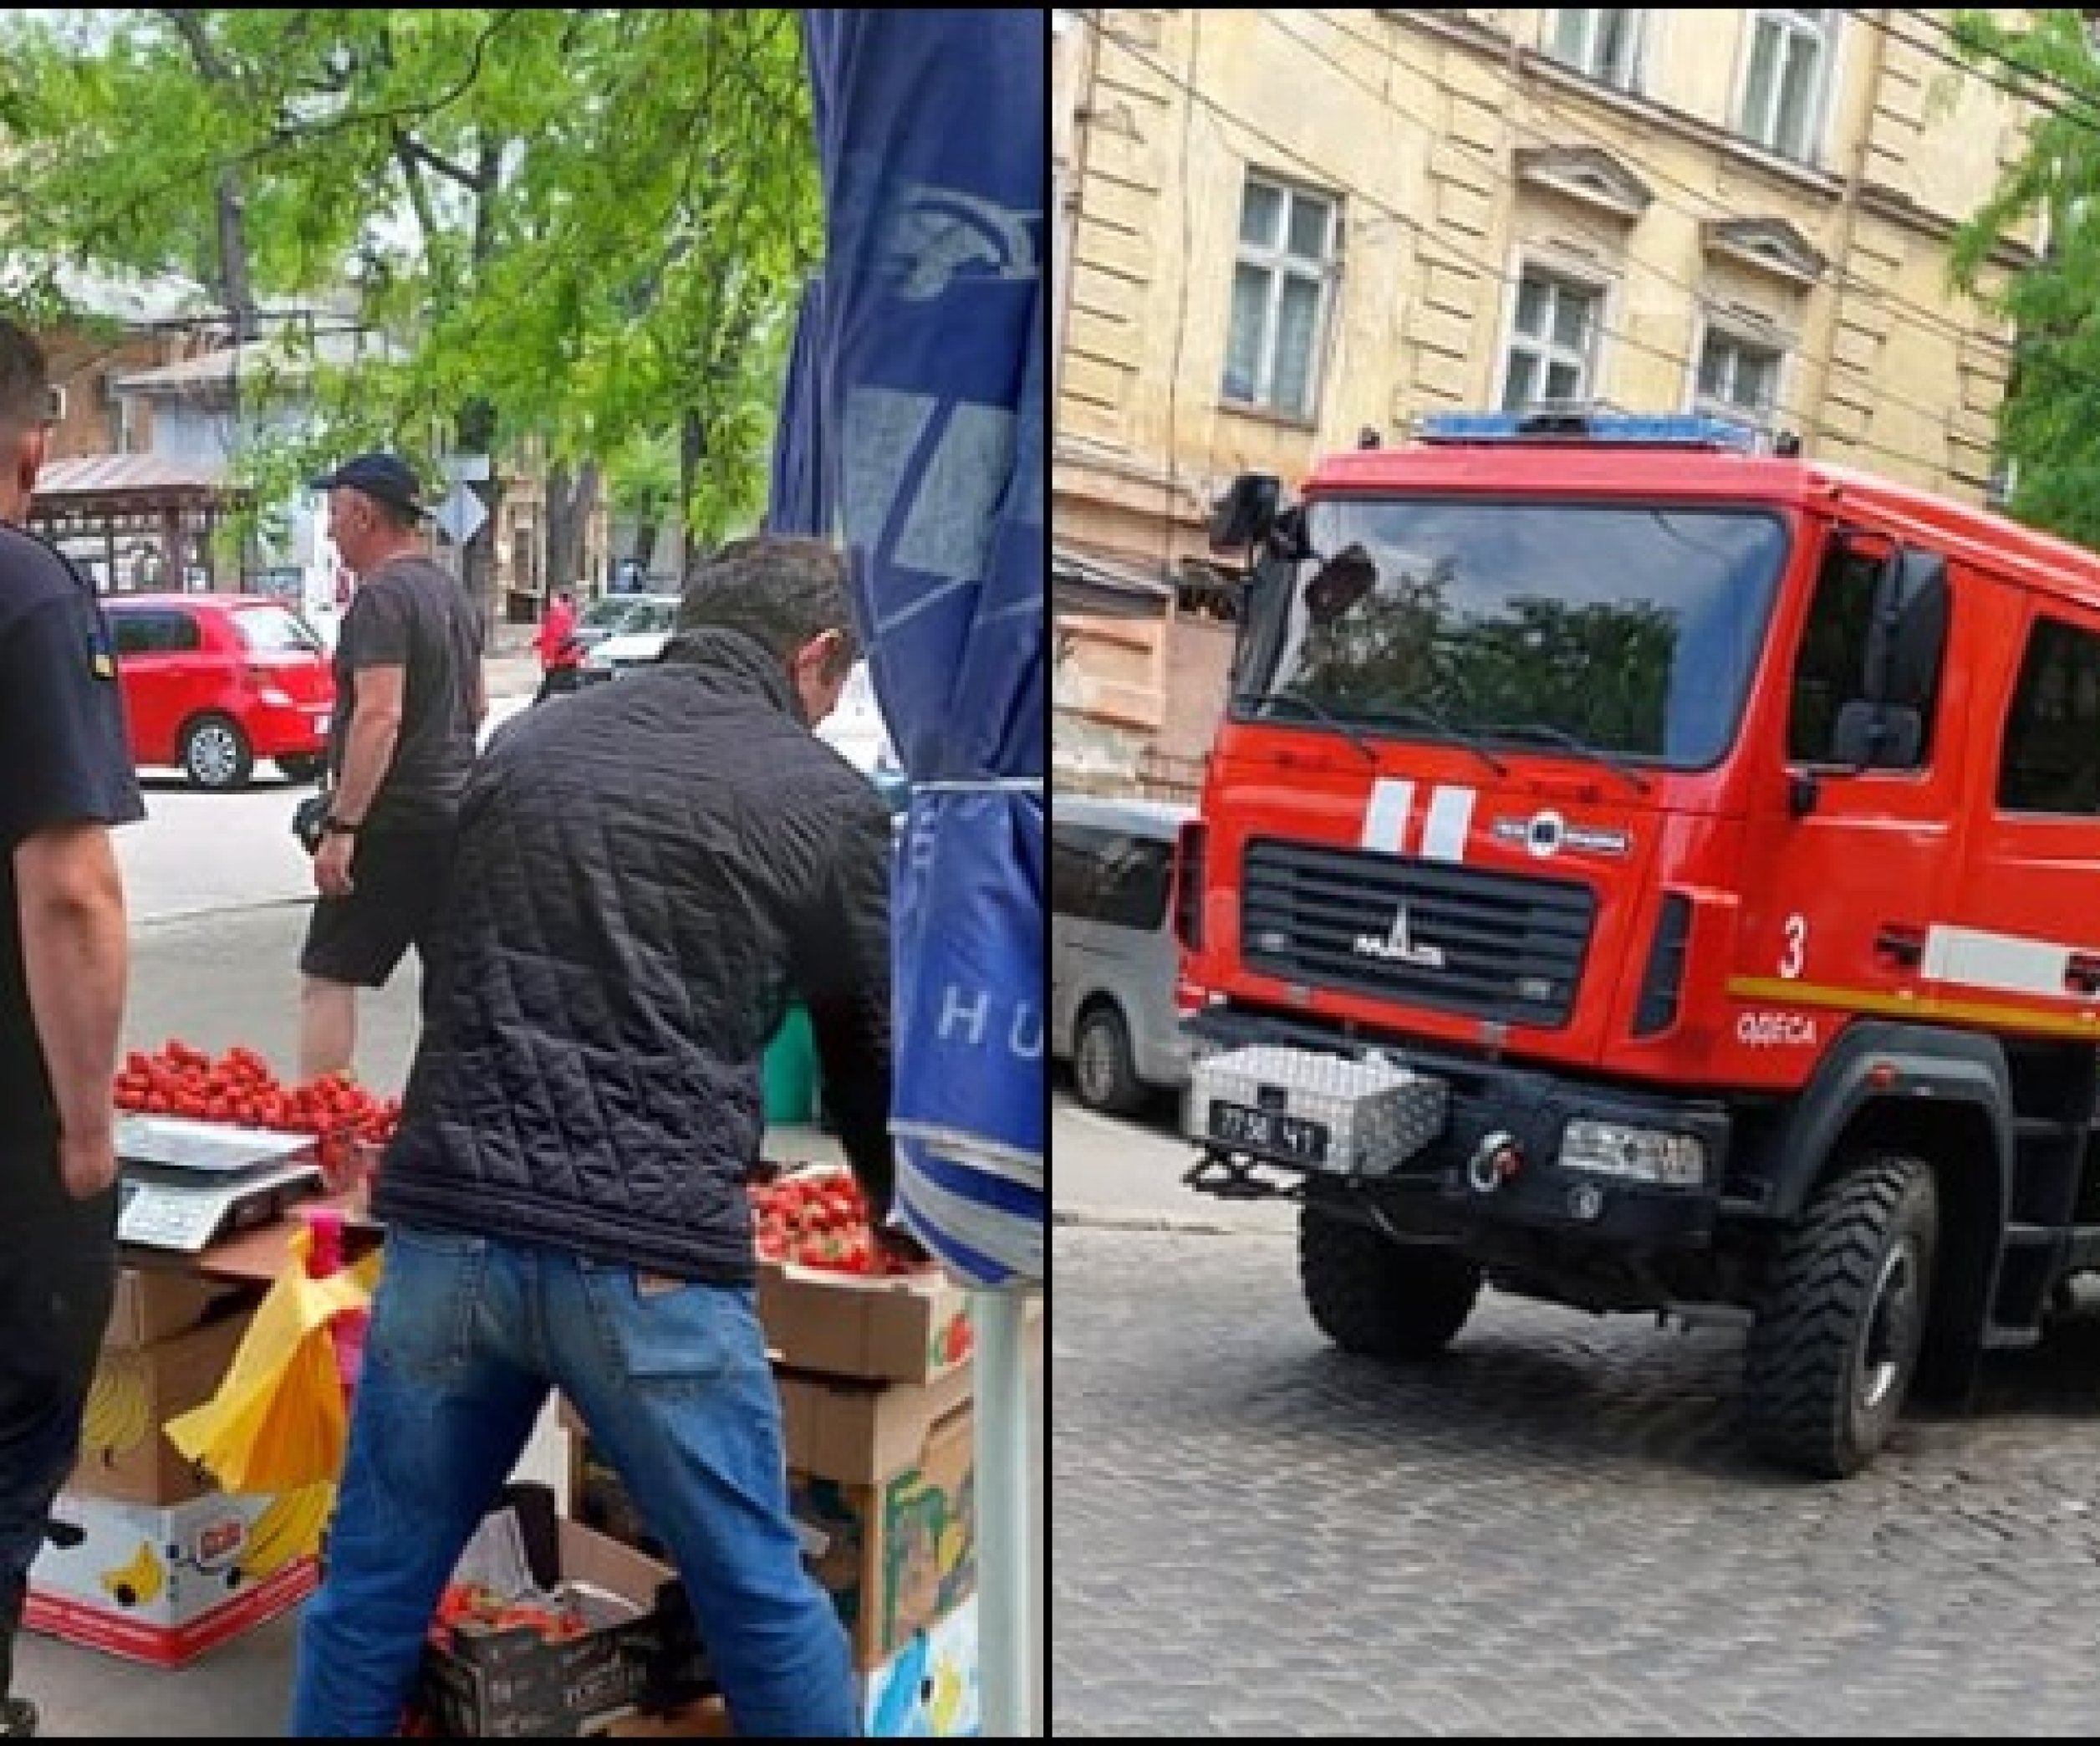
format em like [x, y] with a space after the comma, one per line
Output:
[267, 690]
[1189, 852]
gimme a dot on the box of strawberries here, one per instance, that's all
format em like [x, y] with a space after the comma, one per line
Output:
[831, 1301]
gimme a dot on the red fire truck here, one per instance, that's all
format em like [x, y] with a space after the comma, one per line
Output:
[1646, 871]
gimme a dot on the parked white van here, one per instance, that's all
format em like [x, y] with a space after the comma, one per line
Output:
[1113, 956]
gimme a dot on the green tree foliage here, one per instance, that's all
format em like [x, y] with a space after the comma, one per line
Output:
[2051, 423]
[581, 229]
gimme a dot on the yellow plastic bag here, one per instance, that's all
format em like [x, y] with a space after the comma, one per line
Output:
[279, 1421]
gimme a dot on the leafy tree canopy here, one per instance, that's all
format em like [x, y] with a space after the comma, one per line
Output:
[583, 227]
[2049, 428]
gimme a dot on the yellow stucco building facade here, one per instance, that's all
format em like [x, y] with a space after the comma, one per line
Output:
[1279, 233]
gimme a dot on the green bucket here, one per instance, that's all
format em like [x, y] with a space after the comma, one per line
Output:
[790, 1071]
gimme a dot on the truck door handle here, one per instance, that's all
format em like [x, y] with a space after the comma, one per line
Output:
[1900, 945]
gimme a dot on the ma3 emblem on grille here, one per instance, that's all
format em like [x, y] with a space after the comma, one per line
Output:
[1399, 947]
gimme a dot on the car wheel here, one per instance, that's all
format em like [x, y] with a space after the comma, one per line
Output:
[1103, 1073]
[215, 755]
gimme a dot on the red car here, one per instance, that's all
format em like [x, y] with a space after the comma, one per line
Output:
[213, 682]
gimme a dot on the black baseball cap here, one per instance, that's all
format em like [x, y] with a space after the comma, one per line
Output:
[385, 478]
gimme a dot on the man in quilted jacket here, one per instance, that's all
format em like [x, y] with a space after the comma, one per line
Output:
[645, 877]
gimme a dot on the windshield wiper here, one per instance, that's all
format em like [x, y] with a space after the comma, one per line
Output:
[1581, 747]
[1320, 712]
[1404, 713]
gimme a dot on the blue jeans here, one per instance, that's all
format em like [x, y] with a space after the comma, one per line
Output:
[467, 1336]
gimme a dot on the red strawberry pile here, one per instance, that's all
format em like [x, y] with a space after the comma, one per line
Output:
[819, 1218]
[240, 1089]
[470, 1606]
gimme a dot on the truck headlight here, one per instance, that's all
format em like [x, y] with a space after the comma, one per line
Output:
[1641, 1154]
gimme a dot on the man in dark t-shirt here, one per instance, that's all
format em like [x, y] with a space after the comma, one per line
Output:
[64, 961]
[410, 700]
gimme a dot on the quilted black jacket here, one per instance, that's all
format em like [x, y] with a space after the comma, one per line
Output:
[646, 870]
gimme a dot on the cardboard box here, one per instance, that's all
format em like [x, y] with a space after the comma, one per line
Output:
[895, 1553]
[859, 1433]
[900, 1553]
[911, 1328]
[153, 1304]
[930, 1688]
[125, 1452]
[515, 1684]
[162, 1583]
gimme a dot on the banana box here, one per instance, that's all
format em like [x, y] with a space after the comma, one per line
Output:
[125, 1452]
[929, 1690]
[902, 1552]
[895, 1549]
[163, 1583]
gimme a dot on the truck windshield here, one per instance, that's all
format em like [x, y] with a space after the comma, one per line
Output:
[1625, 631]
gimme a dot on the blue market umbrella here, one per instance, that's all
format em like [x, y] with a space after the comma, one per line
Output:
[933, 130]
[800, 498]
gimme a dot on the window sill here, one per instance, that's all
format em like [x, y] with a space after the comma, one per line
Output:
[1269, 415]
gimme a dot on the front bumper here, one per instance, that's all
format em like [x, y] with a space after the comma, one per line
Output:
[1495, 1159]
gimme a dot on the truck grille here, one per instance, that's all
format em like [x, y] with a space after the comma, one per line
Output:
[1459, 939]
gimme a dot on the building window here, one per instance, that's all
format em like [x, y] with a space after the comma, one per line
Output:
[1603, 43]
[1552, 344]
[1279, 298]
[1738, 378]
[1790, 56]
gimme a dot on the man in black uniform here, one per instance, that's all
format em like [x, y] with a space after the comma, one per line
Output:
[410, 697]
[63, 963]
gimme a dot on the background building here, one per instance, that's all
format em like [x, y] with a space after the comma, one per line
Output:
[1281, 233]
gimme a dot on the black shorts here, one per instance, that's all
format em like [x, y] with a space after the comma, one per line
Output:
[400, 879]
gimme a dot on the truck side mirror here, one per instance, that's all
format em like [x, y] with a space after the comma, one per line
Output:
[1245, 515]
[1917, 621]
[1342, 581]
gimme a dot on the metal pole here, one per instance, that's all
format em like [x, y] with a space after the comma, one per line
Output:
[1006, 1626]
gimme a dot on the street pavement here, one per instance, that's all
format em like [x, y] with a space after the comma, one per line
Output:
[1552, 1531]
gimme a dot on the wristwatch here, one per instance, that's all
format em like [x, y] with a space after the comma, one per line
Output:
[334, 826]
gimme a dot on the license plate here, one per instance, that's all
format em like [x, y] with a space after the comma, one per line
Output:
[1269, 1131]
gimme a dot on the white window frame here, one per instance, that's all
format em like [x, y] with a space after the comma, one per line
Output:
[1559, 277]
[1280, 265]
[1633, 53]
[1793, 24]
[1742, 339]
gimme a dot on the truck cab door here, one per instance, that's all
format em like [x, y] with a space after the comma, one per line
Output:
[1850, 856]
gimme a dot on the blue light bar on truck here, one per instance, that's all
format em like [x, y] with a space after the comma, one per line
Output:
[1651, 429]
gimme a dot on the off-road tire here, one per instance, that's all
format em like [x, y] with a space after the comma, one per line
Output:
[1371, 1295]
[1833, 1348]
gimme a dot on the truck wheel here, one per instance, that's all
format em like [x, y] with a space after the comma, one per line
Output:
[1371, 1295]
[1835, 1343]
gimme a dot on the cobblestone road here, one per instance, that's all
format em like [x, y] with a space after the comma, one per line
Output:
[1555, 1531]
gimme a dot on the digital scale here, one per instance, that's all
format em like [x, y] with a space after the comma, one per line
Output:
[186, 1184]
